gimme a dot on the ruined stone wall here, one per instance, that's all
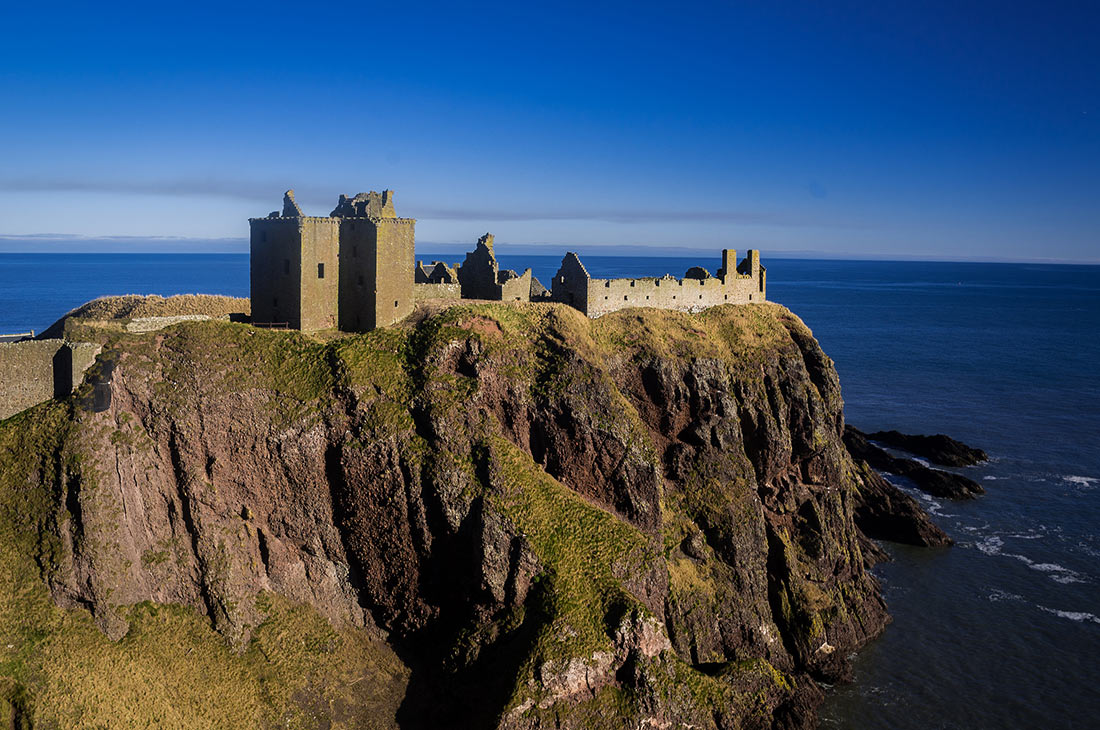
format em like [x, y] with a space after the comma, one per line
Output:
[571, 284]
[437, 291]
[517, 289]
[478, 273]
[33, 371]
[595, 297]
[275, 268]
[319, 302]
[686, 295]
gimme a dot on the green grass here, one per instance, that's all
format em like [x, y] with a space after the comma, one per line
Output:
[584, 549]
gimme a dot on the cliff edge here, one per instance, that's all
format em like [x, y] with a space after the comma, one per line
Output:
[494, 515]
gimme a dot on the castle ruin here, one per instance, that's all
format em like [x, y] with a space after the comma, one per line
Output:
[354, 270]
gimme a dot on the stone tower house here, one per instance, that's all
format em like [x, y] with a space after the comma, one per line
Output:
[352, 270]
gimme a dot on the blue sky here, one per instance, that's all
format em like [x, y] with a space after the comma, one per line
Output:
[931, 129]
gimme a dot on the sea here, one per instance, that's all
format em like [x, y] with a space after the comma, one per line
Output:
[1002, 630]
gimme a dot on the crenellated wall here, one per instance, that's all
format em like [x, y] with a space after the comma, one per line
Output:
[595, 297]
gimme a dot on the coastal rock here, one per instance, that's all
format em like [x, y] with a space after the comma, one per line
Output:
[936, 482]
[522, 518]
[939, 449]
[884, 512]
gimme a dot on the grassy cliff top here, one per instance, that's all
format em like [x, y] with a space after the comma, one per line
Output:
[132, 306]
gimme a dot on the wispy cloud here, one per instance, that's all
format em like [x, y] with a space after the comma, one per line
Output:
[632, 216]
[262, 192]
[197, 187]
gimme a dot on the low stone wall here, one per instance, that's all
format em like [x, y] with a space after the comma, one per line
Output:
[34, 371]
[151, 324]
[436, 291]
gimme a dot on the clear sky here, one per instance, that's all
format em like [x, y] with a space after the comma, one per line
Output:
[936, 129]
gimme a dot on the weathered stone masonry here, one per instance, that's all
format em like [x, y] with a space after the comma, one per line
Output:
[351, 270]
[37, 370]
[742, 284]
[354, 271]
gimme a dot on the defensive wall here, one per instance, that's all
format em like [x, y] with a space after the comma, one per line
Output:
[436, 291]
[33, 371]
[698, 290]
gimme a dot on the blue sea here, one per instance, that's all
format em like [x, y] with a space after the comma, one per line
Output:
[1000, 631]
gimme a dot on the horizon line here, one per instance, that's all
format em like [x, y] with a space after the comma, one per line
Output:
[77, 244]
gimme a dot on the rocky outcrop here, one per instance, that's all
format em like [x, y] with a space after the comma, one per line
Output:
[937, 482]
[884, 512]
[939, 449]
[649, 519]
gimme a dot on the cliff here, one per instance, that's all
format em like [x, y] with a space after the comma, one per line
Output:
[492, 515]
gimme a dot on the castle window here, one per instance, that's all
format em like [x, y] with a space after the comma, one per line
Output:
[354, 249]
[275, 302]
[626, 298]
[700, 296]
[647, 296]
[286, 266]
[320, 271]
[728, 296]
[632, 282]
[263, 237]
[605, 297]
[673, 296]
[360, 280]
[395, 304]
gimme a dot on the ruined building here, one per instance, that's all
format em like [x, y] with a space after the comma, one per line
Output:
[734, 284]
[354, 270]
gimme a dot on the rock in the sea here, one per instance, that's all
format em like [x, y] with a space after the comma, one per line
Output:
[936, 482]
[884, 512]
[939, 449]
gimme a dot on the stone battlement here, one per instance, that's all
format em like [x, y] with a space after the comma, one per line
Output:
[332, 220]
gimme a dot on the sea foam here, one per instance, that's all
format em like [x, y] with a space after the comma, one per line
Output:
[1073, 615]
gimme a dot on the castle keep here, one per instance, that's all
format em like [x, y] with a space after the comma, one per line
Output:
[354, 270]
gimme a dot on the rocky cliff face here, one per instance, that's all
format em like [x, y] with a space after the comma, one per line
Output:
[511, 516]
